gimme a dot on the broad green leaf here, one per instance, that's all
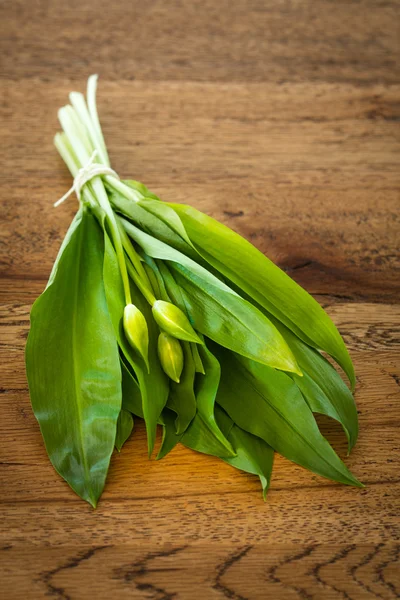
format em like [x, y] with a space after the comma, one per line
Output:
[206, 391]
[199, 437]
[232, 322]
[149, 222]
[268, 404]
[76, 221]
[181, 395]
[322, 387]
[253, 455]
[170, 438]
[124, 428]
[269, 286]
[73, 364]
[166, 214]
[154, 385]
[217, 311]
[131, 396]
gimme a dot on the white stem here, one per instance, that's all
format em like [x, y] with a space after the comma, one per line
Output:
[92, 106]
[79, 104]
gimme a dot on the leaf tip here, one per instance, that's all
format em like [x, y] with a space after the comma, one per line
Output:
[92, 501]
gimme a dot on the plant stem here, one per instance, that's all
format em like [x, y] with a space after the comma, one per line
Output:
[147, 293]
[121, 187]
[92, 106]
[133, 255]
[82, 148]
[66, 153]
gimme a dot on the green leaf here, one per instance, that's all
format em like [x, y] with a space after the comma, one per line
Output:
[170, 438]
[181, 396]
[322, 387]
[268, 404]
[124, 428]
[201, 438]
[253, 455]
[166, 214]
[154, 385]
[149, 222]
[196, 357]
[131, 396]
[262, 280]
[217, 311]
[206, 391]
[73, 364]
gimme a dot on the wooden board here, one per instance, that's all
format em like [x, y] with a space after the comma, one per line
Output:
[282, 120]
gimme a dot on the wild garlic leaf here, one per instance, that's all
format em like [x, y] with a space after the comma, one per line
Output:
[149, 222]
[233, 322]
[201, 438]
[217, 311]
[131, 396]
[261, 279]
[154, 385]
[322, 387]
[73, 364]
[170, 438]
[253, 454]
[124, 428]
[268, 404]
[198, 436]
[181, 395]
[76, 222]
[166, 214]
[206, 391]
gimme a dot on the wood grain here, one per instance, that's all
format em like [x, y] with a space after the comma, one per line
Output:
[281, 119]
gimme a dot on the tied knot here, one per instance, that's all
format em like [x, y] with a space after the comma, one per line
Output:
[84, 175]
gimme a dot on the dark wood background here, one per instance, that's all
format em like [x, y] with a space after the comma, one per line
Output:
[281, 118]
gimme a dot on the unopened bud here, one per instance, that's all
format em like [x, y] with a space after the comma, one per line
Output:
[135, 327]
[171, 356]
[172, 320]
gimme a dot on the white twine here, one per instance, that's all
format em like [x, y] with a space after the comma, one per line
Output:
[84, 175]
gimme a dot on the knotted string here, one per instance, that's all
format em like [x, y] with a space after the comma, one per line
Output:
[84, 175]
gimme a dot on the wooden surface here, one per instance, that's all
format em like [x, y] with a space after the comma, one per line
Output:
[281, 119]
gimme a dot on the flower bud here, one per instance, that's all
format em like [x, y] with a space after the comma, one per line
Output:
[172, 320]
[171, 356]
[135, 327]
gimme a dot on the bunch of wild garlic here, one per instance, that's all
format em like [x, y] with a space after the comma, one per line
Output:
[156, 310]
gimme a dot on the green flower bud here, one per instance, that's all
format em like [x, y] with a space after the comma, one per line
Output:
[170, 354]
[137, 334]
[171, 319]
